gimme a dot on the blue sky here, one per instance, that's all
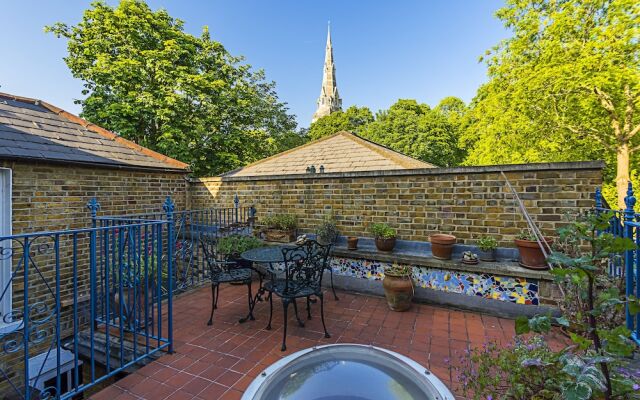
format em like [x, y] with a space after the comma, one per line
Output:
[384, 50]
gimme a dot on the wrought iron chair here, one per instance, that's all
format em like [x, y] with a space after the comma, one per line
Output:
[304, 266]
[223, 272]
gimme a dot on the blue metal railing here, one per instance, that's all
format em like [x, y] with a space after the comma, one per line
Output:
[87, 304]
[626, 223]
[189, 267]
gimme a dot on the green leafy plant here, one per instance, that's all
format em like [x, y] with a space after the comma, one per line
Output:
[597, 364]
[328, 230]
[235, 245]
[398, 270]
[526, 235]
[283, 222]
[527, 369]
[382, 231]
[487, 243]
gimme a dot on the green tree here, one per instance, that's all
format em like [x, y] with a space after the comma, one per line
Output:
[418, 131]
[565, 86]
[351, 120]
[185, 96]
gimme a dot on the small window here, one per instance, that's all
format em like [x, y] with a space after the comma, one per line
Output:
[5, 254]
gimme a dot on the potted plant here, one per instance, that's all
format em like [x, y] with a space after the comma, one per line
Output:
[280, 228]
[231, 247]
[398, 287]
[385, 236]
[442, 245]
[469, 257]
[352, 243]
[327, 232]
[487, 246]
[531, 255]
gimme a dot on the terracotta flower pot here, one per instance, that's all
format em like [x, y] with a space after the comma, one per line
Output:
[352, 243]
[442, 245]
[383, 244]
[531, 255]
[398, 290]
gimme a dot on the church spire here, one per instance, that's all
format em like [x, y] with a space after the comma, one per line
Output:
[329, 100]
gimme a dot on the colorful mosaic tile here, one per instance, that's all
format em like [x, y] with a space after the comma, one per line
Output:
[512, 289]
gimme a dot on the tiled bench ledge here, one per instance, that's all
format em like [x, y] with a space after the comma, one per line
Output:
[502, 288]
[503, 268]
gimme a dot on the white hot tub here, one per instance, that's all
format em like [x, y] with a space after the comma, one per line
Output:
[346, 372]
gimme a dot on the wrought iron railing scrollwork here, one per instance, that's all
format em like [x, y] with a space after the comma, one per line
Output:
[189, 268]
[85, 303]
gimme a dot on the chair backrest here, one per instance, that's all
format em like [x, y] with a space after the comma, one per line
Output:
[209, 246]
[305, 264]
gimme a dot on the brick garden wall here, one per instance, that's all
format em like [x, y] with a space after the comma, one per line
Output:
[468, 202]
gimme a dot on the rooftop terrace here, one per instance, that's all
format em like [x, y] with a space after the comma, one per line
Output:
[220, 361]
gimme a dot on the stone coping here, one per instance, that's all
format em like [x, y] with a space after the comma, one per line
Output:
[556, 166]
[501, 268]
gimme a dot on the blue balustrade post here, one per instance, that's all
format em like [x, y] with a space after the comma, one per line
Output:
[93, 207]
[236, 204]
[168, 208]
[252, 216]
[598, 199]
[629, 217]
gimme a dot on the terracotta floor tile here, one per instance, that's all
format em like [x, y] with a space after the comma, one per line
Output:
[220, 361]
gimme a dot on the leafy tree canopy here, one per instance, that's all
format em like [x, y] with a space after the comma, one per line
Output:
[565, 86]
[418, 131]
[185, 96]
[352, 120]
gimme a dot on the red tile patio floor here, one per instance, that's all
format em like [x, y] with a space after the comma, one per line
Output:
[219, 361]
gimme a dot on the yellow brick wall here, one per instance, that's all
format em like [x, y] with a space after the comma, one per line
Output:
[467, 202]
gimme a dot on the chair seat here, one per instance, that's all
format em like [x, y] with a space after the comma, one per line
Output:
[233, 275]
[295, 289]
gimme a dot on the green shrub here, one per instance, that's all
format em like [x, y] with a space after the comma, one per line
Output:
[382, 231]
[487, 243]
[283, 222]
[238, 244]
[526, 235]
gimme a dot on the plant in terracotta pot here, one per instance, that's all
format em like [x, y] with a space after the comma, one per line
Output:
[280, 227]
[442, 245]
[231, 247]
[487, 246]
[327, 232]
[398, 287]
[531, 255]
[385, 236]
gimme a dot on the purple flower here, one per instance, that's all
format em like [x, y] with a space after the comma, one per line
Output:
[636, 386]
[489, 397]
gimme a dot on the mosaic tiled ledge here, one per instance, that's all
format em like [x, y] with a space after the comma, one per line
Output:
[504, 288]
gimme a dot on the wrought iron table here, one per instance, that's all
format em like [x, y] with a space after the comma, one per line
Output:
[266, 256]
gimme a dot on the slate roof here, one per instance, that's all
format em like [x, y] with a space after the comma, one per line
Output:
[340, 152]
[31, 129]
